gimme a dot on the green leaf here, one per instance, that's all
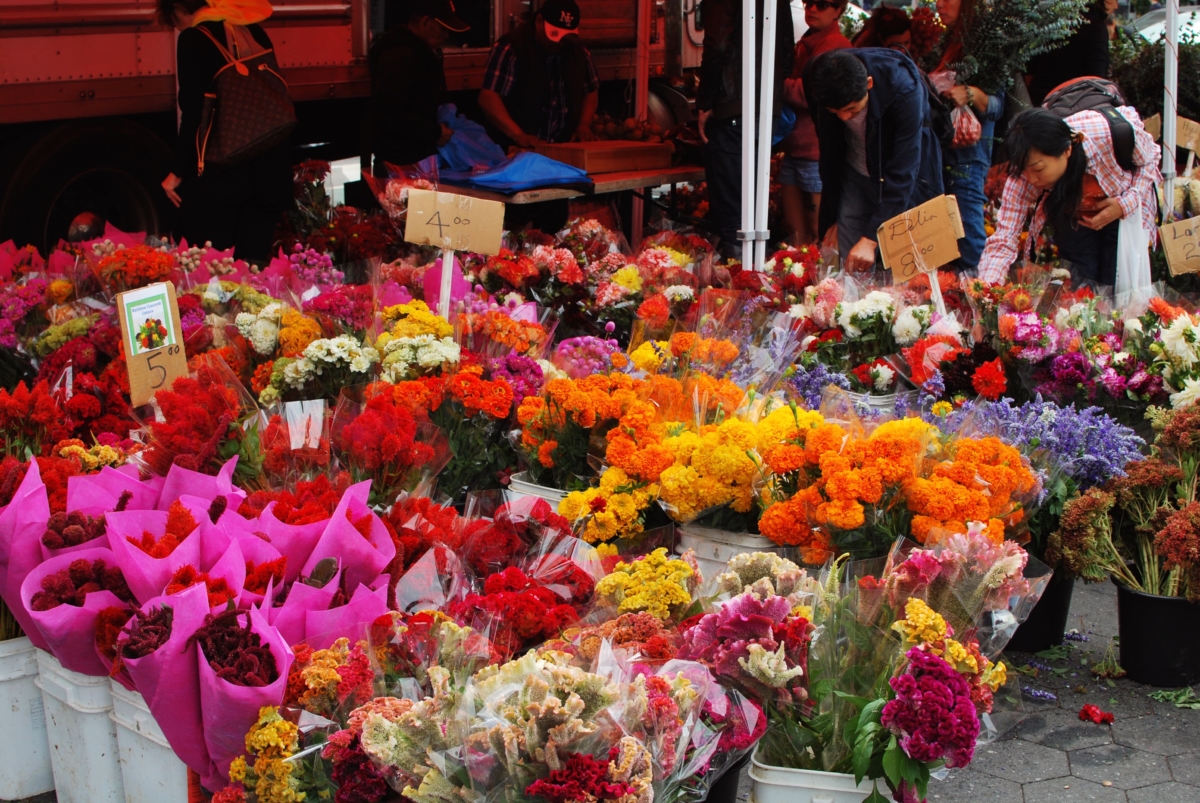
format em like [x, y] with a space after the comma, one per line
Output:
[891, 762]
[876, 797]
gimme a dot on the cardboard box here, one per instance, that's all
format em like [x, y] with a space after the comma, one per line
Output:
[611, 156]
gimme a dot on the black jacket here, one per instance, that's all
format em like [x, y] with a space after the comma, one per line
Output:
[408, 84]
[265, 181]
[1084, 53]
[720, 87]
[904, 158]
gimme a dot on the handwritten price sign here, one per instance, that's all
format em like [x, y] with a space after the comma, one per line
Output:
[153, 339]
[921, 239]
[454, 222]
[1182, 244]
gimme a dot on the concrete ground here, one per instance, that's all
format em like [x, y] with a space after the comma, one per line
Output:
[1149, 754]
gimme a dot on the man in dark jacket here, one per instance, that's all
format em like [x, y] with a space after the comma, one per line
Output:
[879, 154]
[540, 84]
[719, 106]
[408, 83]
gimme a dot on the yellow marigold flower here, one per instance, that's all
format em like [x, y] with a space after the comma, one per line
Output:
[942, 408]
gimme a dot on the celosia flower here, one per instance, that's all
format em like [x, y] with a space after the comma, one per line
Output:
[932, 713]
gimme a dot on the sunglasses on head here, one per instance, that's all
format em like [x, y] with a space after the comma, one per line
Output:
[820, 5]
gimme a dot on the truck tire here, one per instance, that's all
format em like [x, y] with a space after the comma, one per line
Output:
[110, 166]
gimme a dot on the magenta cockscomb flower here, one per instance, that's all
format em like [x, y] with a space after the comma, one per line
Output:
[932, 714]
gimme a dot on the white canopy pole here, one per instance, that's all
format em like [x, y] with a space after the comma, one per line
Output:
[747, 125]
[1170, 110]
[762, 170]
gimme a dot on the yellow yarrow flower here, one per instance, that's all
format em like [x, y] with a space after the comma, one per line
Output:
[921, 624]
[654, 584]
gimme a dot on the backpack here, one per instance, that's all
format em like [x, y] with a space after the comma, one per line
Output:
[249, 111]
[940, 121]
[1090, 93]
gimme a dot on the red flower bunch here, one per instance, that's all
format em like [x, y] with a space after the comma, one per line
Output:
[478, 395]
[219, 592]
[98, 406]
[830, 337]
[281, 460]
[357, 779]
[198, 418]
[135, 266]
[523, 613]
[381, 444]
[71, 585]
[147, 631]
[926, 357]
[31, 421]
[582, 779]
[516, 269]
[236, 653]
[12, 474]
[416, 523]
[350, 306]
[741, 725]
[655, 311]
[108, 626]
[72, 529]
[1092, 713]
[258, 577]
[1178, 543]
[990, 379]
[312, 501]
[78, 352]
[180, 524]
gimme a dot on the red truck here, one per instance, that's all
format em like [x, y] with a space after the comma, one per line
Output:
[87, 93]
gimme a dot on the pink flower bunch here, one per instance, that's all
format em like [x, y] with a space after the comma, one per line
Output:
[560, 262]
[932, 714]
[312, 267]
[611, 293]
[655, 260]
[350, 306]
[742, 723]
[16, 301]
[971, 560]
[661, 720]
[1032, 338]
[822, 300]
[579, 357]
[606, 266]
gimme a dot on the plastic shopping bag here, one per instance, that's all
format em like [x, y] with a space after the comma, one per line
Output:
[470, 147]
[1133, 255]
[967, 128]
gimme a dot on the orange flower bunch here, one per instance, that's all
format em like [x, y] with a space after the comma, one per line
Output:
[979, 484]
[635, 444]
[493, 397]
[682, 352]
[520, 337]
[138, 265]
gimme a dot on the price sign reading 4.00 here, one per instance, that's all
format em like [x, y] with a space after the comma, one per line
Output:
[454, 222]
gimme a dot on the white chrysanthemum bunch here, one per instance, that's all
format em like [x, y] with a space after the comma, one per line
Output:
[262, 329]
[410, 357]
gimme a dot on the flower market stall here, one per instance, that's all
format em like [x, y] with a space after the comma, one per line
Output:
[618, 527]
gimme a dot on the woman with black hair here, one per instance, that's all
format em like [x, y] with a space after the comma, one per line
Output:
[1067, 172]
[233, 207]
[886, 27]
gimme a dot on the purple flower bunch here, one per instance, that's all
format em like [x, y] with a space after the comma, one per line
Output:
[523, 374]
[809, 383]
[1036, 337]
[583, 356]
[932, 713]
[312, 267]
[16, 301]
[1068, 376]
[1123, 375]
[351, 306]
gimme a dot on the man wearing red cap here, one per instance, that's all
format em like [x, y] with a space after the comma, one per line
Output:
[408, 84]
[540, 84]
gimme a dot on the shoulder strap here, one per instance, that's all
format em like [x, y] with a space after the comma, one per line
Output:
[1121, 131]
[224, 50]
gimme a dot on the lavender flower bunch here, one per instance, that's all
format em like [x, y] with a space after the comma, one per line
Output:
[523, 374]
[808, 383]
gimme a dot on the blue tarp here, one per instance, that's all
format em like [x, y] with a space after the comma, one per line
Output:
[470, 147]
[525, 171]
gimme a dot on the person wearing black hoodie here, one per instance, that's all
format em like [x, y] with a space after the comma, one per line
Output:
[879, 154]
[408, 84]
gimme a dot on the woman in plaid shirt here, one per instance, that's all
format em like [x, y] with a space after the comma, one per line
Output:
[1067, 172]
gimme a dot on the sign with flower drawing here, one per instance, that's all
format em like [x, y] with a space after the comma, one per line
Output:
[153, 339]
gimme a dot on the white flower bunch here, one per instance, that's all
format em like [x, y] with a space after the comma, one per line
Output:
[188, 259]
[329, 355]
[910, 323]
[875, 306]
[410, 357]
[679, 292]
[262, 329]
[1179, 341]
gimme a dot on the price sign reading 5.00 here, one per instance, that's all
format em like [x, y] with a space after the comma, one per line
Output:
[454, 222]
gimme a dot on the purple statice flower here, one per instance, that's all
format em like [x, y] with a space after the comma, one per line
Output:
[1039, 665]
[583, 356]
[1088, 446]
[523, 374]
[932, 714]
[1074, 635]
[1039, 694]
[809, 383]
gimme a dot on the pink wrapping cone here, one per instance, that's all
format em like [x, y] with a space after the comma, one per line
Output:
[228, 711]
[362, 559]
[232, 568]
[294, 541]
[21, 526]
[147, 576]
[322, 628]
[256, 551]
[100, 493]
[182, 481]
[70, 631]
[290, 617]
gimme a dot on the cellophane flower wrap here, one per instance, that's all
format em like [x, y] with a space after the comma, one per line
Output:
[356, 538]
[22, 523]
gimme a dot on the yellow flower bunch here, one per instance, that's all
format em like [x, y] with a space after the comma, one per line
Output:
[712, 469]
[613, 510]
[321, 677]
[921, 624]
[271, 740]
[92, 459]
[412, 319]
[655, 583]
[628, 277]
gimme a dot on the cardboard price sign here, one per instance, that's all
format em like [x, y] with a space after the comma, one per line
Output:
[921, 239]
[1181, 241]
[153, 340]
[454, 222]
[1187, 132]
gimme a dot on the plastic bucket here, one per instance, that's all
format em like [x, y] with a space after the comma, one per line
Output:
[25, 770]
[520, 484]
[83, 740]
[1047, 621]
[1159, 642]
[150, 770]
[725, 790]
[715, 548]
[780, 785]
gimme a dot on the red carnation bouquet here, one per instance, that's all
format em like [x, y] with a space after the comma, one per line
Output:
[295, 443]
[518, 611]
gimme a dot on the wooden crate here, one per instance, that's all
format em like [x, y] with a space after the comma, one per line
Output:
[610, 156]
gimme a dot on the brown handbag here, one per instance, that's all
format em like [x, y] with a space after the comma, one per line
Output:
[247, 113]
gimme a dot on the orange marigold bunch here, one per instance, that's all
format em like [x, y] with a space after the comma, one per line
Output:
[522, 337]
[635, 444]
[138, 265]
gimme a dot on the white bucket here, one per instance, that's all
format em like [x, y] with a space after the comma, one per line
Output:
[151, 771]
[83, 740]
[25, 770]
[520, 484]
[715, 548]
[781, 785]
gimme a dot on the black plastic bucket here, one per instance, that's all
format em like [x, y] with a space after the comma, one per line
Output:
[1047, 621]
[725, 790]
[1160, 638]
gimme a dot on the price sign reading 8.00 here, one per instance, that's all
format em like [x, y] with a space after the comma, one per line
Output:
[454, 222]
